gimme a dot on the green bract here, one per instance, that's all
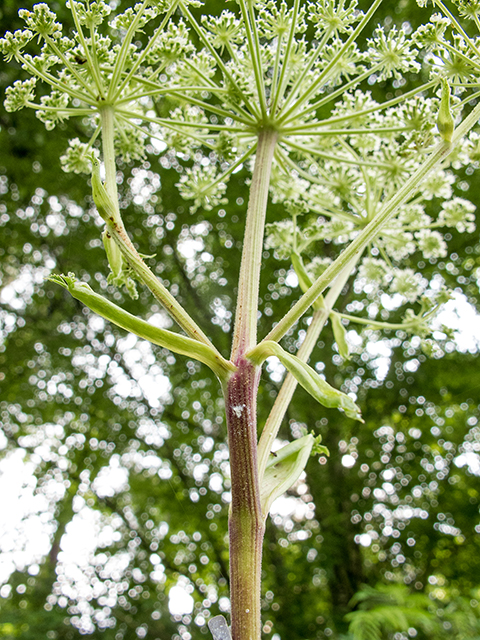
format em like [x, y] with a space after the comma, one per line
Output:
[445, 121]
[340, 335]
[283, 470]
[173, 341]
[308, 378]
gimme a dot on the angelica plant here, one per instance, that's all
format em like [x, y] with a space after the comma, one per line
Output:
[248, 88]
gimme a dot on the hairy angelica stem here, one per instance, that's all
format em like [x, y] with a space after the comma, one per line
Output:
[245, 333]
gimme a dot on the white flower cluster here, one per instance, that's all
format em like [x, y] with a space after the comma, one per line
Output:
[241, 71]
[77, 158]
[208, 87]
[200, 185]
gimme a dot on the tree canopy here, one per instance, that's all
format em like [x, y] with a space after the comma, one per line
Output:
[115, 448]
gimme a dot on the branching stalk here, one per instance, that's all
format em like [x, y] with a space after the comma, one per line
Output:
[331, 65]
[440, 153]
[245, 333]
[282, 401]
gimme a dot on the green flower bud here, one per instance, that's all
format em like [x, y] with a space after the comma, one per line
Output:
[114, 255]
[340, 335]
[304, 279]
[307, 377]
[445, 121]
[284, 469]
[106, 207]
[78, 157]
[12, 44]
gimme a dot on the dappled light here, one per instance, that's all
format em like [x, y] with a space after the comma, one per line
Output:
[239, 320]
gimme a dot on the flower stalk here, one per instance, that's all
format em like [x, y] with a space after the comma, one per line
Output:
[245, 332]
[116, 230]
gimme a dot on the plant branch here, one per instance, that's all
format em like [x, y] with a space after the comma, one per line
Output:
[91, 60]
[144, 53]
[324, 73]
[278, 87]
[204, 38]
[117, 231]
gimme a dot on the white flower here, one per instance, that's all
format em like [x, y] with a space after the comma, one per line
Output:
[41, 21]
[398, 244]
[474, 147]
[13, 43]
[129, 143]
[438, 184]
[317, 266]
[20, 94]
[332, 18]
[373, 270]
[431, 35]
[51, 114]
[199, 184]
[276, 21]
[226, 29]
[77, 157]
[280, 237]
[431, 243]
[468, 9]
[393, 53]
[413, 214]
[408, 284]
[458, 213]
[290, 190]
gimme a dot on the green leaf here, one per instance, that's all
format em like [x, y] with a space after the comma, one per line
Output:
[106, 207]
[340, 335]
[309, 379]
[283, 470]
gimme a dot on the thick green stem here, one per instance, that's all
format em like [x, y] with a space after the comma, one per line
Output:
[246, 523]
[107, 116]
[245, 333]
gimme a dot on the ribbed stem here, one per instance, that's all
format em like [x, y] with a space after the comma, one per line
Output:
[245, 333]
[117, 230]
[246, 524]
[107, 116]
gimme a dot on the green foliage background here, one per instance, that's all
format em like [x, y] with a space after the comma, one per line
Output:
[60, 406]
